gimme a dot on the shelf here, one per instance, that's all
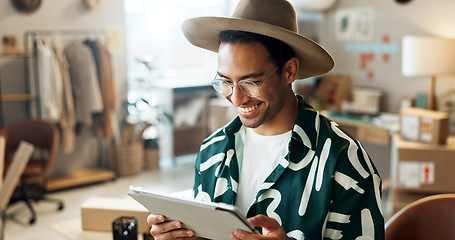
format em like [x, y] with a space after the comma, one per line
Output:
[17, 97]
[79, 178]
[18, 55]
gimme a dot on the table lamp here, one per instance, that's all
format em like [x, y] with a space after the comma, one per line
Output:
[424, 56]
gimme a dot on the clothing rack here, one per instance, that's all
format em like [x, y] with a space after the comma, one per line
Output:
[30, 45]
[34, 34]
[30, 38]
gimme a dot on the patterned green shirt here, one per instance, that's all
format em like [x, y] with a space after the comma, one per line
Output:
[326, 187]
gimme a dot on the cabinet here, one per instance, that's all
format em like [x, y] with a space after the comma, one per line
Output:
[188, 105]
[420, 170]
[15, 90]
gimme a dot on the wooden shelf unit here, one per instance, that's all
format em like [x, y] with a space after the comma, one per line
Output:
[17, 97]
[79, 178]
[26, 96]
[184, 139]
[18, 55]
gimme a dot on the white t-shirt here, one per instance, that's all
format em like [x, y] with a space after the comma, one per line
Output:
[261, 154]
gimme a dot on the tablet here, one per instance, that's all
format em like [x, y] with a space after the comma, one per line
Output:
[206, 219]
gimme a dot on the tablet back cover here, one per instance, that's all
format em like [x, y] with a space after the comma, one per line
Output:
[208, 220]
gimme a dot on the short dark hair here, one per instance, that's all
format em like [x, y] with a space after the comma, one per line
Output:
[278, 50]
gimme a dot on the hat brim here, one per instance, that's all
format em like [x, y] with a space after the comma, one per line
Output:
[204, 32]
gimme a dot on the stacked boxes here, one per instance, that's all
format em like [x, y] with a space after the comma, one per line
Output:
[422, 169]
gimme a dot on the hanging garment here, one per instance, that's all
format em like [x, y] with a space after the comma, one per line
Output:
[68, 115]
[105, 71]
[84, 82]
[50, 83]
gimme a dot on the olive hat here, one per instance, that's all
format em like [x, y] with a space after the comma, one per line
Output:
[272, 18]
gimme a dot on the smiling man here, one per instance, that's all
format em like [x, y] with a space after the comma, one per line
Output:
[294, 173]
[264, 103]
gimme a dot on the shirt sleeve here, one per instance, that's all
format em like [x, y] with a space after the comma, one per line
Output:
[356, 211]
[197, 177]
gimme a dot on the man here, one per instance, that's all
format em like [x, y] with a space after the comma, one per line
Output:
[294, 173]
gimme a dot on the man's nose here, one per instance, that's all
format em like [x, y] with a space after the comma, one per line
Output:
[238, 97]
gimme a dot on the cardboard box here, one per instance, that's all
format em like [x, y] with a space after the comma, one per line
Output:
[364, 101]
[332, 90]
[425, 168]
[97, 213]
[423, 125]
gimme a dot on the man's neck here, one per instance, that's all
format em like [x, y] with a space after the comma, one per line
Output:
[283, 122]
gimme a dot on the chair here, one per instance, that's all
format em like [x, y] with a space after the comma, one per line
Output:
[12, 176]
[45, 138]
[431, 217]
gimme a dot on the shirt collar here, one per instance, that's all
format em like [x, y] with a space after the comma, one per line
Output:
[306, 126]
[233, 127]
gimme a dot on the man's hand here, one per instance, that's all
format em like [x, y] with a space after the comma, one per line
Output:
[270, 230]
[162, 229]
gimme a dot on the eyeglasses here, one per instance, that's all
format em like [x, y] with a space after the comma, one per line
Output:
[249, 88]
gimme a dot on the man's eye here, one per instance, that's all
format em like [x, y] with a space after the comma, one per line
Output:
[222, 80]
[255, 82]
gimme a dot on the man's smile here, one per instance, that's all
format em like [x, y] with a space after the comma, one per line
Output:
[247, 109]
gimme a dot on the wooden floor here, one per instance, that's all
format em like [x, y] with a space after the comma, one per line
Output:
[168, 179]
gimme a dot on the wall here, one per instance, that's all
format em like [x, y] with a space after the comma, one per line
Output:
[391, 20]
[64, 15]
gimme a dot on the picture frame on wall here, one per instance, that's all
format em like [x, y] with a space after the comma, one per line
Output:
[355, 24]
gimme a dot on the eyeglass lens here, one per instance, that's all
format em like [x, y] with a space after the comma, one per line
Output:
[247, 87]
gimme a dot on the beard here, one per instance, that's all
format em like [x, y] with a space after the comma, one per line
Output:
[265, 113]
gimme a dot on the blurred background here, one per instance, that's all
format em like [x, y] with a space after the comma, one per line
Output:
[156, 104]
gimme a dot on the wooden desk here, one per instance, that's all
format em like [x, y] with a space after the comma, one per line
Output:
[365, 129]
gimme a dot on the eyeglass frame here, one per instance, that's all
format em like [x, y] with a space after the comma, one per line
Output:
[242, 81]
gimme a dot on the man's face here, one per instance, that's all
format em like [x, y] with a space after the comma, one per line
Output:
[251, 61]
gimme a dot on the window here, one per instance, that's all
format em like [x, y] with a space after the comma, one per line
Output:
[154, 37]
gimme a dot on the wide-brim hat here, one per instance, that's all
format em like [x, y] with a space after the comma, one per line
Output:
[273, 18]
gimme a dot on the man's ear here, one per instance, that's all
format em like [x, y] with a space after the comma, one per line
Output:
[290, 70]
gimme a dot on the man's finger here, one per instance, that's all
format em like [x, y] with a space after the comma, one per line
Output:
[264, 221]
[178, 234]
[164, 227]
[155, 219]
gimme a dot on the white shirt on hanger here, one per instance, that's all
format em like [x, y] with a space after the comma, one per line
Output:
[50, 83]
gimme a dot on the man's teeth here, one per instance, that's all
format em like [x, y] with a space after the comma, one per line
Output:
[249, 109]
